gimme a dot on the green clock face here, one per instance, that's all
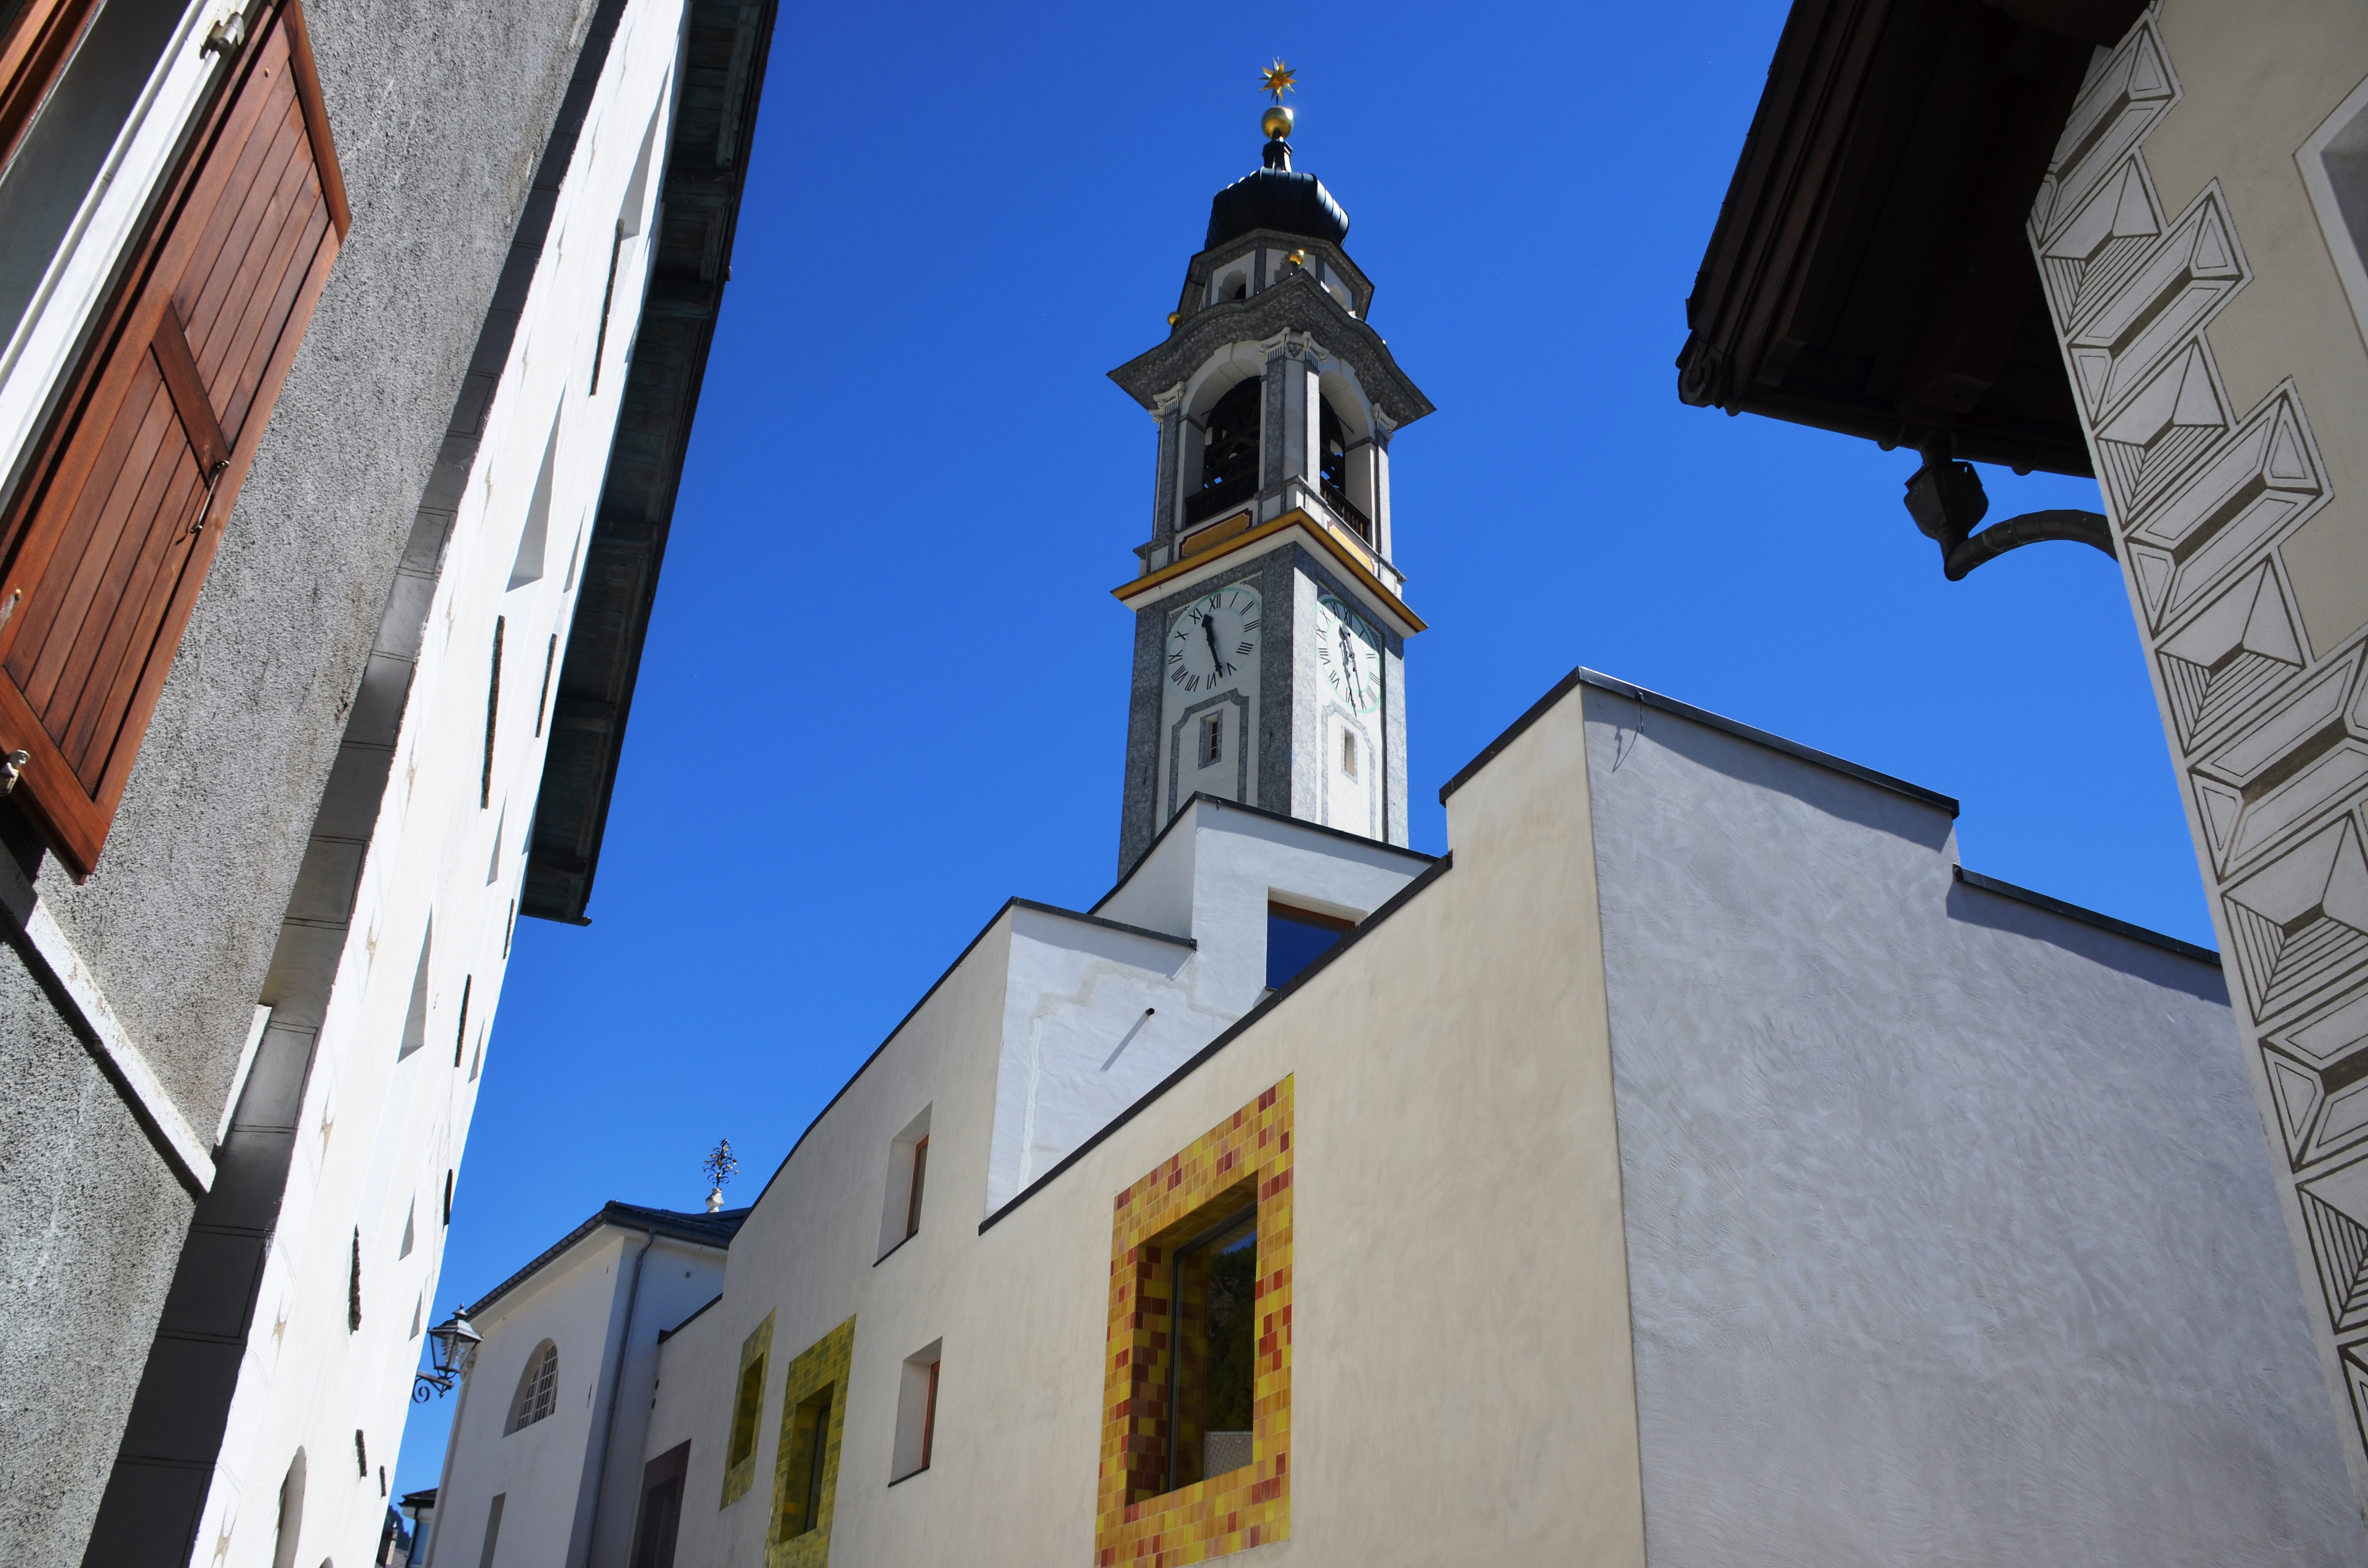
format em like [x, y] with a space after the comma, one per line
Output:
[1349, 651]
[1214, 640]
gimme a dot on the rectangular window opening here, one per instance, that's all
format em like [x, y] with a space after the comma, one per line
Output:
[493, 714]
[1349, 753]
[920, 1182]
[492, 1529]
[1212, 740]
[1211, 1318]
[810, 1448]
[908, 1178]
[917, 1412]
[1296, 937]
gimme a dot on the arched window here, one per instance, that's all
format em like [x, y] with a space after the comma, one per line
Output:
[537, 1390]
[1332, 473]
[1229, 457]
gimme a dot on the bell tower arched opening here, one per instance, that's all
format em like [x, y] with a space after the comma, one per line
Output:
[1229, 452]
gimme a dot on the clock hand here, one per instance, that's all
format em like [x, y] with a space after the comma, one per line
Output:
[1349, 658]
[1208, 630]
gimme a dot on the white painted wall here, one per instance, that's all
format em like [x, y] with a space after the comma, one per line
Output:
[581, 1303]
[1946, 1215]
[377, 1135]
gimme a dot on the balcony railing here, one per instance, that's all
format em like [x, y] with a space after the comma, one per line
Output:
[1207, 503]
[1347, 511]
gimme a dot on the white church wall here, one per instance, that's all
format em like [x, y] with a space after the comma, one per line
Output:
[1946, 1215]
[376, 1133]
[604, 1316]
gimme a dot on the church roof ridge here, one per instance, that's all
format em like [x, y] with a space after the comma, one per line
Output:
[707, 1230]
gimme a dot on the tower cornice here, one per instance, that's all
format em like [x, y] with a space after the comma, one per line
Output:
[1296, 304]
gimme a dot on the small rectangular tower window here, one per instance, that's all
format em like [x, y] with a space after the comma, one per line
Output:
[1212, 740]
[1349, 753]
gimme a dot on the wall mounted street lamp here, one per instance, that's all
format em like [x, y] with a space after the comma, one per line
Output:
[456, 1342]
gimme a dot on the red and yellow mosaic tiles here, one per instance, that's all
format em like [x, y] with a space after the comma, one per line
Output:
[1136, 1522]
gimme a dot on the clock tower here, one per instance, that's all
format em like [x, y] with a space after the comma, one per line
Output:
[1269, 642]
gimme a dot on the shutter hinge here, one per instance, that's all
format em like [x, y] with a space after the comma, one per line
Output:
[12, 766]
[226, 37]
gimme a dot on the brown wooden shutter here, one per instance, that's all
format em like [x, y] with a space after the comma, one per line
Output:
[107, 543]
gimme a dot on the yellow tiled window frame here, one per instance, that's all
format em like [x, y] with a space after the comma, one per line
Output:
[741, 1437]
[1134, 1521]
[820, 1366]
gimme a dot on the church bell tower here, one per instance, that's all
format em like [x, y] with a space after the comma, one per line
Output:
[1269, 642]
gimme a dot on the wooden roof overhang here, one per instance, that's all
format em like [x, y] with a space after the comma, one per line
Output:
[724, 48]
[1869, 273]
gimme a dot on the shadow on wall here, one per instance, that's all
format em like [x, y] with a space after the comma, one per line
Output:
[1771, 762]
[2130, 955]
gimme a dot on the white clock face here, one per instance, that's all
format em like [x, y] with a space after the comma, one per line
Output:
[1214, 640]
[1349, 651]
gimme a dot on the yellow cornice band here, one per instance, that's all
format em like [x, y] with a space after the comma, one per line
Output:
[1296, 518]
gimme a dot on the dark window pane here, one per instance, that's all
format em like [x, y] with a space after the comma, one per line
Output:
[61, 152]
[1293, 941]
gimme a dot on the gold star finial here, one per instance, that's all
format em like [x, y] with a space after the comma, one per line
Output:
[1280, 79]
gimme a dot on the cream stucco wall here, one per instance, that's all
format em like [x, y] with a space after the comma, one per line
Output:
[2257, 80]
[1462, 1366]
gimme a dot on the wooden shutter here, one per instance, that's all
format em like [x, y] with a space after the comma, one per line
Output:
[108, 539]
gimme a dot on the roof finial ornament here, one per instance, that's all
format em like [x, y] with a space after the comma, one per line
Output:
[1277, 79]
[719, 1166]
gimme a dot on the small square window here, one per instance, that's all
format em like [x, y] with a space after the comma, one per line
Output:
[1297, 937]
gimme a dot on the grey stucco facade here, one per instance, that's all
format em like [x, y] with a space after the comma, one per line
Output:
[1896, 1154]
[440, 116]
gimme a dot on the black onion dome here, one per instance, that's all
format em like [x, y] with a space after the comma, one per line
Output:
[1293, 202]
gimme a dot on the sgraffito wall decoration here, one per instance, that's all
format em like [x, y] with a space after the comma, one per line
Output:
[1138, 1519]
[2270, 734]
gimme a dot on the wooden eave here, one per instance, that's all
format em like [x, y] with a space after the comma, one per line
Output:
[1869, 272]
[724, 48]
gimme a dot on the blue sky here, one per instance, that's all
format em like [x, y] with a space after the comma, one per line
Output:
[885, 684]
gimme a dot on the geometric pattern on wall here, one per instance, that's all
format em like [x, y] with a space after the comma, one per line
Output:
[1135, 1522]
[2271, 736]
[2318, 1078]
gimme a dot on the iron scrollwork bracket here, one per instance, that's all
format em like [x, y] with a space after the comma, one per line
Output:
[1947, 500]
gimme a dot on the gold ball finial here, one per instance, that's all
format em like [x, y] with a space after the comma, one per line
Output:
[1277, 123]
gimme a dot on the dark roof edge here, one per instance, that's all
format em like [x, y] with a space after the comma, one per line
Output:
[1585, 677]
[557, 885]
[666, 1334]
[697, 1229]
[1091, 919]
[2169, 944]
[1398, 900]
[1200, 795]
[1005, 907]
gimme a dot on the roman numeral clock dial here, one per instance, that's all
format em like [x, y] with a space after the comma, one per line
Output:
[1212, 641]
[1348, 650]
